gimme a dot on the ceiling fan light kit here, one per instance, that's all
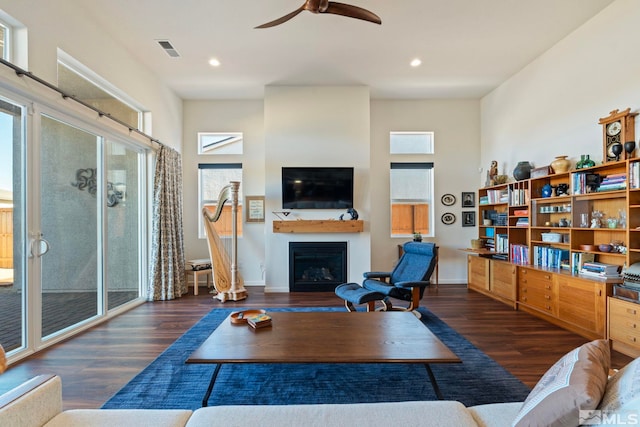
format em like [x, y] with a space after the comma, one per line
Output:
[326, 6]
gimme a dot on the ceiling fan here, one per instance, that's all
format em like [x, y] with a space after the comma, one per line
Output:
[326, 6]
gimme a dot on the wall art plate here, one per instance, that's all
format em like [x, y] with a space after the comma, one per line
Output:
[448, 200]
[448, 218]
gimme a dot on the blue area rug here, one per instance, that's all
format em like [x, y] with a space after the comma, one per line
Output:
[168, 382]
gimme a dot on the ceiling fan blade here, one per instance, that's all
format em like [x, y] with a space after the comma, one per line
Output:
[352, 12]
[279, 21]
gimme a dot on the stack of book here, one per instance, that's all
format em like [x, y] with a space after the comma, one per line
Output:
[522, 222]
[598, 269]
[259, 321]
[614, 181]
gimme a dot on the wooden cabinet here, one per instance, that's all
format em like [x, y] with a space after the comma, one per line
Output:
[495, 278]
[624, 326]
[478, 273]
[576, 304]
[582, 305]
[538, 291]
[544, 228]
[503, 280]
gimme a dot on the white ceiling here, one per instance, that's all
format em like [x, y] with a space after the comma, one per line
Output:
[467, 47]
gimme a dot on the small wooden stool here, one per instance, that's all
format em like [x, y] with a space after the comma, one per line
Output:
[197, 267]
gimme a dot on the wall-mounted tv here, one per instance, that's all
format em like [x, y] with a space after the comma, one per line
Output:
[317, 187]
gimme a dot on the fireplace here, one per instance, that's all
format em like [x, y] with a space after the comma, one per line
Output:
[317, 266]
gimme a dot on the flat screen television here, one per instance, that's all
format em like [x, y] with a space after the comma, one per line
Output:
[317, 187]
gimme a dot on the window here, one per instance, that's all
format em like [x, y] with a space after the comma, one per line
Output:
[212, 177]
[219, 143]
[79, 81]
[411, 143]
[4, 36]
[411, 199]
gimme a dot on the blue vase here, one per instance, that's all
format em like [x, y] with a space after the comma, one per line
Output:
[547, 190]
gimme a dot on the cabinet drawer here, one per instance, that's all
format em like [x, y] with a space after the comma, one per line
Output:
[527, 275]
[624, 322]
[540, 300]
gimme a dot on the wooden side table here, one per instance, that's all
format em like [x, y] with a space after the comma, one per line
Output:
[195, 268]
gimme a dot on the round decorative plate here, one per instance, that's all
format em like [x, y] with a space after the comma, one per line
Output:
[448, 218]
[448, 200]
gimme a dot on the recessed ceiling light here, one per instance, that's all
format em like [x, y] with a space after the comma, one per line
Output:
[416, 62]
[214, 62]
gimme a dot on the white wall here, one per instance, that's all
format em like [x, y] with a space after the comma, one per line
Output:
[56, 24]
[316, 126]
[552, 106]
[312, 126]
[226, 116]
[456, 127]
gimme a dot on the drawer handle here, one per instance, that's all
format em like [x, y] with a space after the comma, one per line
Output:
[632, 339]
[547, 277]
[548, 307]
[631, 311]
[547, 297]
[547, 287]
[524, 299]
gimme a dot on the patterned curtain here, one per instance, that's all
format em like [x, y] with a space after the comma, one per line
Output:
[166, 278]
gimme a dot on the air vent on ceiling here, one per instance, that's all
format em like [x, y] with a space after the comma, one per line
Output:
[168, 47]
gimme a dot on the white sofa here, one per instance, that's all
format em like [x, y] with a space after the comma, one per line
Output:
[38, 402]
[575, 390]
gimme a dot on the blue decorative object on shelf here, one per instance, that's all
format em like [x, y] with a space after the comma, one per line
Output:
[547, 190]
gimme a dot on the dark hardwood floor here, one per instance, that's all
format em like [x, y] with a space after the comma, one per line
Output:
[97, 363]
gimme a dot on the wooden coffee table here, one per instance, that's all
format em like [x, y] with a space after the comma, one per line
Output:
[325, 337]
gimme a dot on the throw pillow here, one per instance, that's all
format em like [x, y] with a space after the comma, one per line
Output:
[575, 382]
[622, 395]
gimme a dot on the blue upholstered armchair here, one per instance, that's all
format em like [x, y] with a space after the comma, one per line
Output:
[406, 282]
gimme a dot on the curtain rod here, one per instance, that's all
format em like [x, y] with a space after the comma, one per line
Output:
[22, 73]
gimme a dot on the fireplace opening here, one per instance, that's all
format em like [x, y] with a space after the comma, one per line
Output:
[317, 266]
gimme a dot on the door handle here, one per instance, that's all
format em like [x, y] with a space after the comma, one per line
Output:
[39, 246]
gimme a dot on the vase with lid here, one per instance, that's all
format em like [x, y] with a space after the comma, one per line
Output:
[522, 171]
[561, 164]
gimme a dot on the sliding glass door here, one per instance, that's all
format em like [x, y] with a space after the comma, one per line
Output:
[72, 225]
[70, 217]
[123, 243]
[12, 227]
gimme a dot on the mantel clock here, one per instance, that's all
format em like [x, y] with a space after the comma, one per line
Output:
[617, 128]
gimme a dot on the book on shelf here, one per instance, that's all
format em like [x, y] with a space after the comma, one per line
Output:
[579, 258]
[634, 175]
[550, 257]
[519, 254]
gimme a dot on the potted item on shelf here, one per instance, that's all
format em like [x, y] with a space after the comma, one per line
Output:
[561, 164]
[585, 162]
[417, 237]
[522, 171]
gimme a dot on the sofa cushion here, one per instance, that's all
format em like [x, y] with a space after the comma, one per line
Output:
[495, 414]
[575, 382]
[121, 417]
[622, 395]
[405, 414]
[33, 403]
